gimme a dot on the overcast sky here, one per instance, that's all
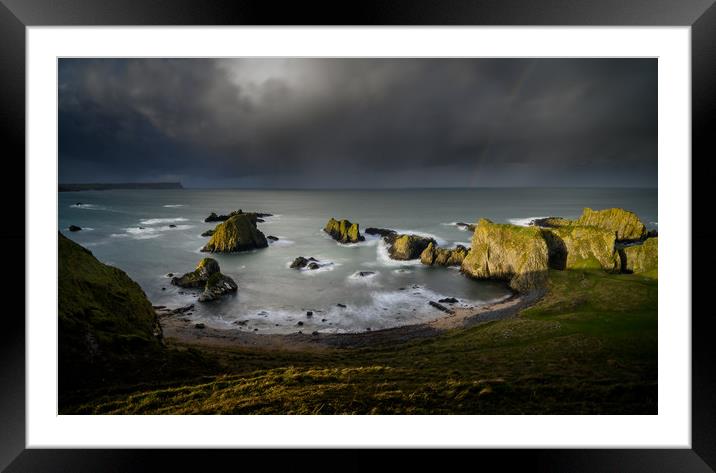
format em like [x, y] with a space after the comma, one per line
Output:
[334, 123]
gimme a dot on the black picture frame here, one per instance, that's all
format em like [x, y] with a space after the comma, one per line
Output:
[16, 15]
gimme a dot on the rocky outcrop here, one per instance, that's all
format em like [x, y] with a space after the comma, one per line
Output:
[434, 255]
[208, 233]
[255, 216]
[508, 252]
[643, 258]
[216, 286]
[207, 275]
[74, 228]
[581, 247]
[407, 247]
[200, 275]
[626, 224]
[343, 231]
[308, 263]
[383, 232]
[238, 233]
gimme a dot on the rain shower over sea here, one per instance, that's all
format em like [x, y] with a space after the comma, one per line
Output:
[151, 233]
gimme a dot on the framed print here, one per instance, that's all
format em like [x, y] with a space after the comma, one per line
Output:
[400, 228]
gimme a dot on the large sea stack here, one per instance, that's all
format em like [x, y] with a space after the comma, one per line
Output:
[238, 233]
[509, 252]
[343, 231]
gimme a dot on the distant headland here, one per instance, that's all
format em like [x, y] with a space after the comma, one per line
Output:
[123, 185]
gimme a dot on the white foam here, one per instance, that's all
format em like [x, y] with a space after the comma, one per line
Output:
[370, 240]
[368, 279]
[462, 228]
[438, 240]
[172, 206]
[88, 206]
[156, 221]
[281, 242]
[522, 222]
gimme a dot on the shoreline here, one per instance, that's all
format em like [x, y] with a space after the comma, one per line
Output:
[180, 332]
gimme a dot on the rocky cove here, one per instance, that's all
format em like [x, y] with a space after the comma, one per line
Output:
[384, 278]
[398, 283]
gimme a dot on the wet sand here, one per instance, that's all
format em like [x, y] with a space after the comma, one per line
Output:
[179, 330]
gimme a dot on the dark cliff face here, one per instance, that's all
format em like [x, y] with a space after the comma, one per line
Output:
[107, 326]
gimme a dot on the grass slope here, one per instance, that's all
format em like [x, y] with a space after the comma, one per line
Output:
[589, 346]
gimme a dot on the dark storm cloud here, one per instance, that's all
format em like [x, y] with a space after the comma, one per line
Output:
[360, 122]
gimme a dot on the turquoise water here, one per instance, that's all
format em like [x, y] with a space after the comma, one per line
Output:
[272, 297]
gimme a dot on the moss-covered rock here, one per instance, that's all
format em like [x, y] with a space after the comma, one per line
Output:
[207, 276]
[200, 275]
[343, 231]
[216, 286]
[642, 258]
[581, 247]
[238, 233]
[509, 252]
[407, 247]
[624, 223]
[433, 254]
[105, 319]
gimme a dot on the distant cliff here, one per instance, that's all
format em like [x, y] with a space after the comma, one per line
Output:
[124, 185]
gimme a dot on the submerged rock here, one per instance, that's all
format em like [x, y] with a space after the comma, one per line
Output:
[74, 228]
[509, 252]
[641, 258]
[301, 262]
[407, 247]
[466, 226]
[383, 232]
[581, 247]
[271, 238]
[238, 233]
[449, 300]
[443, 256]
[441, 307]
[254, 216]
[343, 231]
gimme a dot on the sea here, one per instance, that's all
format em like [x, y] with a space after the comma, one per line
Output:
[130, 229]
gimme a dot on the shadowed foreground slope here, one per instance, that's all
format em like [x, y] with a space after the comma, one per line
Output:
[589, 346]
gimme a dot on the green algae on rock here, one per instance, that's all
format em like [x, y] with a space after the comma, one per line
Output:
[581, 247]
[434, 255]
[407, 247]
[626, 224]
[238, 233]
[642, 258]
[343, 231]
[509, 252]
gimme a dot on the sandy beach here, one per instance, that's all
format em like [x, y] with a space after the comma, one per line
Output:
[179, 330]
